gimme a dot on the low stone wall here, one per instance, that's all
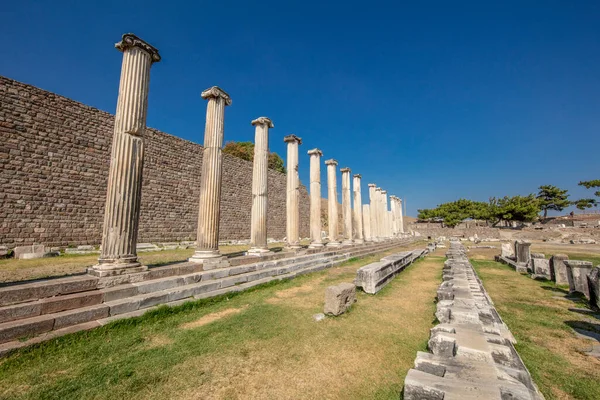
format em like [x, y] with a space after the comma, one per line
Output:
[434, 230]
[472, 353]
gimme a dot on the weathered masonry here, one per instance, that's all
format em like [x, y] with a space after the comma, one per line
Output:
[471, 351]
[54, 167]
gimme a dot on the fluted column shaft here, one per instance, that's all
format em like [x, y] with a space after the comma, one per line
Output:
[400, 216]
[373, 210]
[386, 214]
[124, 190]
[332, 202]
[258, 216]
[366, 211]
[394, 214]
[315, 197]
[379, 212]
[293, 192]
[209, 209]
[358, 210]
[346, 205]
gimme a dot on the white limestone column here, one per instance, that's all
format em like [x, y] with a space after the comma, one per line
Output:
[379, 213]
[385, 214]
[366, 211]
[332, 203]
[400, 216]
[293, 192]
[358, 213]
[124, 190]
[346, 206]
[393, 214]
[209, 205]
[258, 222]
[315, 198]
[373, 211]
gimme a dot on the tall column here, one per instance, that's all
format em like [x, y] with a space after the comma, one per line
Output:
[400, 216]
[124, 191]
[385, 214]
[379, 213]
[293, 192]
[346, 206]
[332, 203]
[395, 215]
[315, 198]
[373, 211]
[209, 209]
[258, 222]
[366, 210]
[358, 213]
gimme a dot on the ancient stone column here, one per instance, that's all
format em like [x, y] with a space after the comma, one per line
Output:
[332, 214]
[346, 206]
[315, 198]
[366, 217]
[209, 209]
[400, 216]
[124, 191]
[393, 214]
[373, 211]
[258, 222]
[379, 216]
[293, 192]
[386, 215]
[358, 210]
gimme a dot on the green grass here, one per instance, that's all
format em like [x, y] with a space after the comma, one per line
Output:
[542, 325]
[270, 348]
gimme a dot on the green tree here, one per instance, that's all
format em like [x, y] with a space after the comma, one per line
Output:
[582, 204]
[516, 208]
[453, 213]
[552, 198]
[245, 151]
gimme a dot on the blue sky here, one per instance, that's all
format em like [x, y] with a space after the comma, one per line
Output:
[432, 101]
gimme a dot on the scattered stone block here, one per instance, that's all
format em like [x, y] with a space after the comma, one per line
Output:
[339, 298]
[577, 272]
[541, 268]
[558, 269]
[373, 277]
[523, 252]
[594, 285]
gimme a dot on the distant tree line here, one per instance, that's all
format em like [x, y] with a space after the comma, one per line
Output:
[507, 208]
[245, 151]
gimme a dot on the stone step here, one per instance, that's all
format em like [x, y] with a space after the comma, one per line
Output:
[44, 323]
[37, 290]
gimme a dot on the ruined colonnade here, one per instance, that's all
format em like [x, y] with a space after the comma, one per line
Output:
[373, 221]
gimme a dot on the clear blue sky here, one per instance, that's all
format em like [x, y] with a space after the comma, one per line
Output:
[432, 101]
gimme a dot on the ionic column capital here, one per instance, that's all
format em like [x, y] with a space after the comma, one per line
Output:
[345, 170]
[315, 152]
[359, 176]
[292, 139]
[372, 185]
[216, 92]
[263, 121]
[129, 40]
[331, 162]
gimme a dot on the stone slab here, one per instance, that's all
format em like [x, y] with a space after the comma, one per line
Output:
[47, 288]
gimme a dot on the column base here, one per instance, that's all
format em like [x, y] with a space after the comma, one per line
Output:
[316, 245]
[116, 269]
[210, 259]
[258, 252]
[359, 241]
[333, 244]
[347, 242]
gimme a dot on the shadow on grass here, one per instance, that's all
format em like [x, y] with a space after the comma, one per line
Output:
[584, 328]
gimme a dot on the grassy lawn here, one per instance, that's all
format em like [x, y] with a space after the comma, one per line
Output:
[12, 270]
[539, 318]
[259, 344]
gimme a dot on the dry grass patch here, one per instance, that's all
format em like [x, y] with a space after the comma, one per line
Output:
[207, 319]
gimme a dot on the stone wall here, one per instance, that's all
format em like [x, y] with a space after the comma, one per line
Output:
[54, 163]
[435, 229]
